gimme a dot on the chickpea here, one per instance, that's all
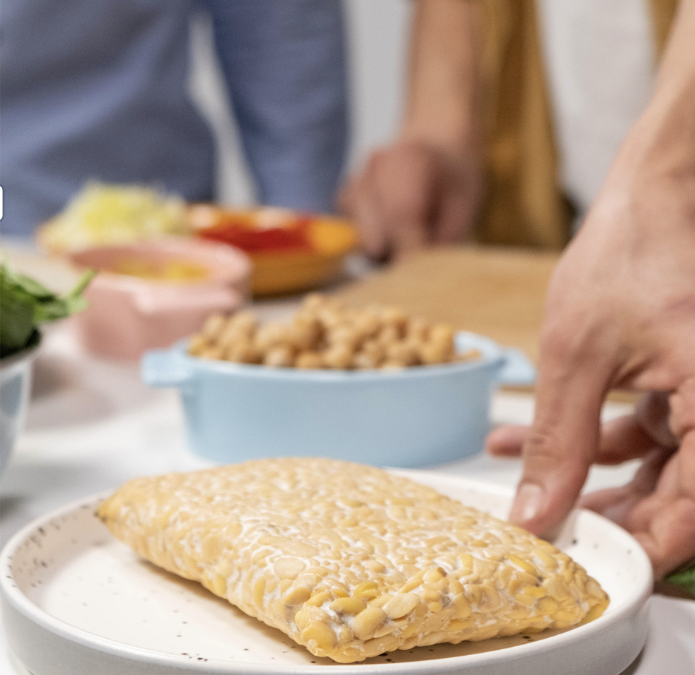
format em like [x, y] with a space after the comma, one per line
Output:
[313, 301]
[212, 352]
[343, 334]
[324, 333]
[242, 351]
[213, 325]
[309, 361]
[271, 335]
[197, 345]
[442, 334]
[375, 350]
[417, 329]
[305, 334]
[338, 357]
[243, 319]
[281, 356]
[235, 332]
[364, 361]
[392, 316]
[432, 353]
[330, 318]
[392, 365]
[470, 355]
[388, 335]
[402, 352]
[227, 335]
[367, 325]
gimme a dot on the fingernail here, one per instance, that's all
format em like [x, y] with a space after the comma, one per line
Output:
[528, 502]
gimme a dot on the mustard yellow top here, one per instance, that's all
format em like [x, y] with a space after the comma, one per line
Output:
[524, 203]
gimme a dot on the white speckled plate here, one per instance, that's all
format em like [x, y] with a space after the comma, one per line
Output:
[77, 602]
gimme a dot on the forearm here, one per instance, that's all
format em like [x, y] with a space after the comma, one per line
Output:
[443, 78]
[661, 146]
[284, 62]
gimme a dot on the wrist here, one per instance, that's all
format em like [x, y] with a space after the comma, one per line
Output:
[660, 148]
[457, 138]
[444, 83]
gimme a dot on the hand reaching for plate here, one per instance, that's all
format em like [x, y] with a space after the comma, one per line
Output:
[658, 505]
[621, 313]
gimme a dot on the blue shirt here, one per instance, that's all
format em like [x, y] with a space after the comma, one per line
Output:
[98, 89]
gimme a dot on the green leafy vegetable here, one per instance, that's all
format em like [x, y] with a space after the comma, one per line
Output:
[684, 578]
[25, 303]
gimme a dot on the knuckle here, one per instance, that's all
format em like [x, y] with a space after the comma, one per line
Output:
[557, 341]
[569, 344]
[541, 449]
[546, 457]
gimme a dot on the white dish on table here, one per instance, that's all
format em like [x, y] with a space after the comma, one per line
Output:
[94, 607]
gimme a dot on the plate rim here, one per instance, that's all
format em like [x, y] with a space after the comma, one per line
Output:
[21, 603]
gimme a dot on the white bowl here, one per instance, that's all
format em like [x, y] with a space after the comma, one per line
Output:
[15, 388]
[95, 608]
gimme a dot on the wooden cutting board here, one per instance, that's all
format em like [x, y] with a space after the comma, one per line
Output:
[494, 291]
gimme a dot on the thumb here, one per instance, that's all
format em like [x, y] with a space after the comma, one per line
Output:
[564, 438]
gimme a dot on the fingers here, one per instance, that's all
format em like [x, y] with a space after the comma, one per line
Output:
[682, 409]
[574, 376]
[507, 441]
[664, 522]
[453, 222]
[557, 455]
[460, 190]
[623, 439]
[410, 195]
[653, 411]
[636, 435]
[358, 201]
[619, 504]
[657, 506]
[404, 182]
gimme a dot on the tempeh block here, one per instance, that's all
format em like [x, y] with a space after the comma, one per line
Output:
[349, 560]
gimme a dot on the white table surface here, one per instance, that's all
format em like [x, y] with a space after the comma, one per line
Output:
[93, 425]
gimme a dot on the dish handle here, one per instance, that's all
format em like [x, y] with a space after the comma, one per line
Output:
[516, 369]
[162, 368]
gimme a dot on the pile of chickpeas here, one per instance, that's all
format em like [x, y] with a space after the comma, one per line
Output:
[326, 334]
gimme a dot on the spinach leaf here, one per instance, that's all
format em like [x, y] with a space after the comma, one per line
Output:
[684, 579]
[25, 303]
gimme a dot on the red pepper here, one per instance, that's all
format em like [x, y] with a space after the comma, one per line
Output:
[294, 237]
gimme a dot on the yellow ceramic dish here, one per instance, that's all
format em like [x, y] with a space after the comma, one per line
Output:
[281, 271]
[291, 271]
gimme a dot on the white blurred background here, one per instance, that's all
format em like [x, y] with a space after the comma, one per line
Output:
[378, 34]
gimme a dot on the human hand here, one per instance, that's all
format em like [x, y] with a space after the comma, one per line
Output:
[620, 313]
[412, 194]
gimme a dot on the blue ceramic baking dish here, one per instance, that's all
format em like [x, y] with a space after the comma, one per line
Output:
[413, 417]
